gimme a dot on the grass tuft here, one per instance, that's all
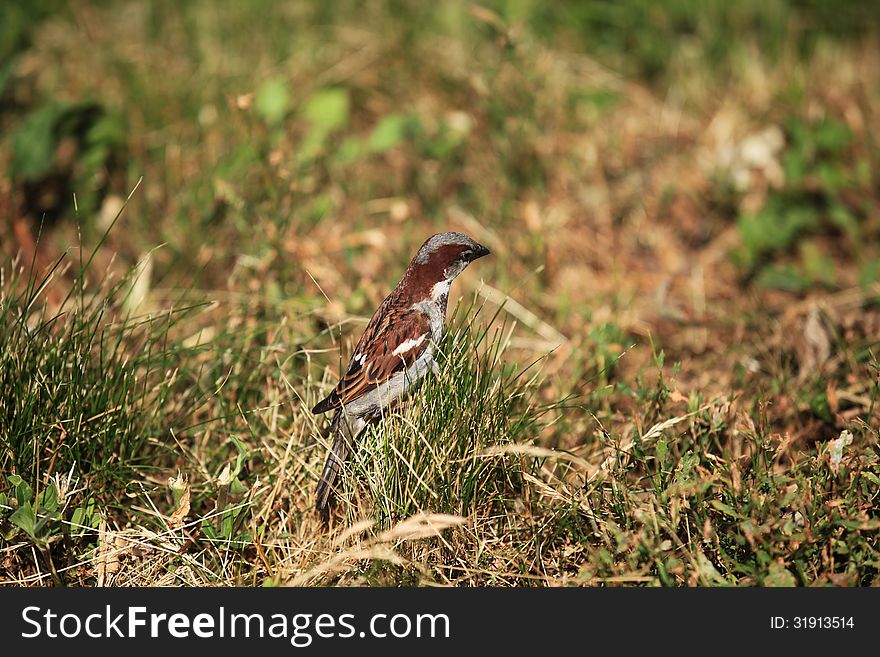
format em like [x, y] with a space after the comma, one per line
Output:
[441, 454]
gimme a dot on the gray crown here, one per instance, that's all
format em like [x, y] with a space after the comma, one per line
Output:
[442, 239]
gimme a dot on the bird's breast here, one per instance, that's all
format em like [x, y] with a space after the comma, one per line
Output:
[435, 311]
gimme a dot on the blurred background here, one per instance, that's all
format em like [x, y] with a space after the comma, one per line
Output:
[640, 169]
[689, 188]
[657, 162]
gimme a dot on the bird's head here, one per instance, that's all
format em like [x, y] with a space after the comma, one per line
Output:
[445, 255]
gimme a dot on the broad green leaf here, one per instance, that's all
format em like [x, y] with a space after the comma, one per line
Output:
[272, 101]
[349, 150]
[23, 492]
[832, 136]
[775, 227]
[33, 142]
[25, 519]
[725, 509]
[77, 521]
[782, 278]
[47, 500]
[327, 110]
[43, 526]
[389, 132]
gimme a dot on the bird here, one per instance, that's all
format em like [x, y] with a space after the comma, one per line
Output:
[396, 351]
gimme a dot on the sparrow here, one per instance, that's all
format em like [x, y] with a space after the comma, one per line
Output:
[396, 350]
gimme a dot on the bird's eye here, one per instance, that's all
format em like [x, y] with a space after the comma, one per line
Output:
[467, 253]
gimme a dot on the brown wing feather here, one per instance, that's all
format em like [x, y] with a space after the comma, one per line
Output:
[385, 332]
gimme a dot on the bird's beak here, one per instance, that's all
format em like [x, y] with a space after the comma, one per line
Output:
[479, 252]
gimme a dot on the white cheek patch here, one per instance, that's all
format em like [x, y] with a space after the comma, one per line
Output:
[440, 289]
[407, 345]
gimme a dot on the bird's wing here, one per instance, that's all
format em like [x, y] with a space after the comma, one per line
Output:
[392, 342]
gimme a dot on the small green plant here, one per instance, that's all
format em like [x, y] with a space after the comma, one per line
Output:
[36, 516]
[59, 149]
[46, 519]
[781, 243]
[226, 528]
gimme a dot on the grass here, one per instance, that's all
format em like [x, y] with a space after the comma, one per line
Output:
[667, 373]
[443, 452]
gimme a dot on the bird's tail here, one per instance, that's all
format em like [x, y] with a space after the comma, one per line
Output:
[344, 431]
